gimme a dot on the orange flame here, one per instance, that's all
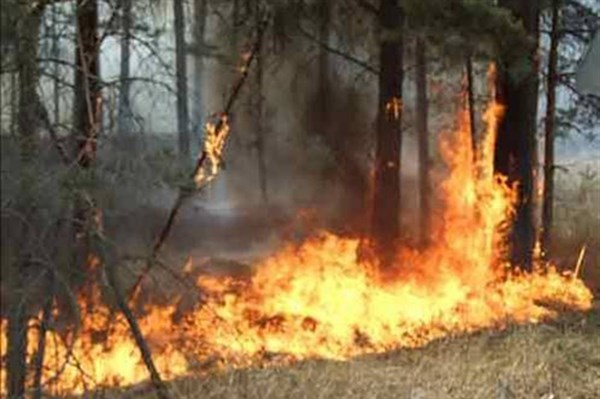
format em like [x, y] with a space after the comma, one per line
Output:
[319, 300]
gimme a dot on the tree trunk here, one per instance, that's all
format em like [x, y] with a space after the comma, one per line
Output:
[20, 273]
[323, 89]
[515, 145]
[471, 105]
[423, 140]
[198, 78]
[56, 54]
[386, 200]
[548, 195]
[260, 133]
[181, 78]
[88, 113]
[125, 114]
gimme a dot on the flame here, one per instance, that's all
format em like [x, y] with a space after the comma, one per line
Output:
[394, 107]
[215, 137]
[319, 299]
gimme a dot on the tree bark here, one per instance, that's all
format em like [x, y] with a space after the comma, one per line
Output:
[515, 145]
[125, 114]
[183, 122]
[26, 54]
[423, 142]
[548, 194]
[386, 196]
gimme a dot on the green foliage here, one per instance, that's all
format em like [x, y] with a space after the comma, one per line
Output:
[476, 27]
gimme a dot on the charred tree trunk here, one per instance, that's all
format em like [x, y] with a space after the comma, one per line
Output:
[516, 88]
[124, 117]
[181, 79]
[423, 140]
[87, 119]
[471, 105]
[20, 271]
[386, 200]
[548, 195]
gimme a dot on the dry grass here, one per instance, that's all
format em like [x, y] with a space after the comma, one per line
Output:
[559, 360]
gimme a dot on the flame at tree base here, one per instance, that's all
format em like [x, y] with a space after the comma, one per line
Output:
[319, 300]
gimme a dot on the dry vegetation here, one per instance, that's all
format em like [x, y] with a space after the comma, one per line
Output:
[556, 360]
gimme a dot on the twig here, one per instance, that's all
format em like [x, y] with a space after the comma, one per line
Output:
[579, 261]
[185, 193]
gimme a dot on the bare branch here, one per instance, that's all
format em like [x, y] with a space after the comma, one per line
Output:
[340, 53]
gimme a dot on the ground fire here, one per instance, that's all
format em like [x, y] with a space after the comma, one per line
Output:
[319, 299]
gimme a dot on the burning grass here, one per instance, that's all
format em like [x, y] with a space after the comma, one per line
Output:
[556, 360]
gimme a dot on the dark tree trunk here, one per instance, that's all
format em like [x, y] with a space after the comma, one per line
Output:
[125, 114]
[88, 99]
[516, 88]
[181, 78]
[56, 54]
[423, 140]
[20, 271]
[260, 132]
[548, 195]
[87, 120]
[198, 78]
[258, 112]
[471, 105]
[386, 200]
[323, 73]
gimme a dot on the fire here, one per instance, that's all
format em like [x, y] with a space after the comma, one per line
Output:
[215, 137]
[319, 299]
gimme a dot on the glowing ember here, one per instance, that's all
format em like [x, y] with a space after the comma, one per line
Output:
[319, 300]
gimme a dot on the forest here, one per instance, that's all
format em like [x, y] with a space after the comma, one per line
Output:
[300, 199]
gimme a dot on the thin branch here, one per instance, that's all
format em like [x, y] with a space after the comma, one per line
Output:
[346, 56]
[159, 385]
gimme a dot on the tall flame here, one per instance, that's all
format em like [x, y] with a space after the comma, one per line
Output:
[319, 300]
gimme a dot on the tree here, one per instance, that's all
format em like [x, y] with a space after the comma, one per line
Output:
[548, 194]
[200, 10]
[423, 141]
[87, 120]
[259, 114]
[29, 19]
[183, 123]
[517, 90]
[386, 196]
[124, 116]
